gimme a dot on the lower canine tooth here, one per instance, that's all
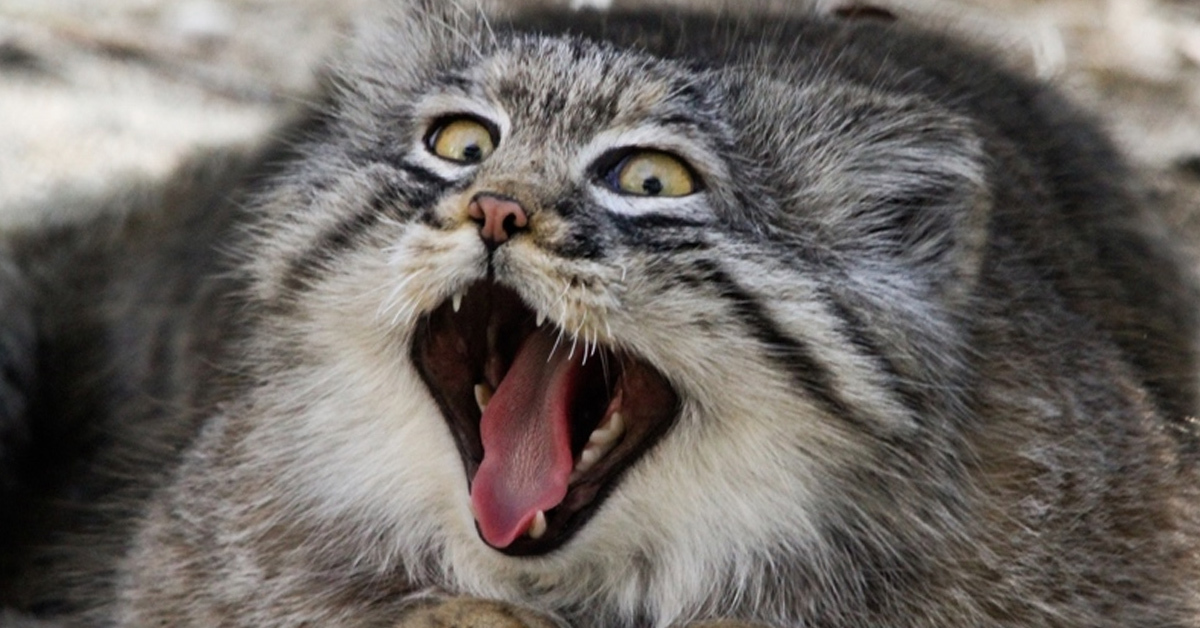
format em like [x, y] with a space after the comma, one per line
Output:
[538, 527]
[483, 394]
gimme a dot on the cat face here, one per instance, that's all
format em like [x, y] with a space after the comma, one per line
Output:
[571, 322]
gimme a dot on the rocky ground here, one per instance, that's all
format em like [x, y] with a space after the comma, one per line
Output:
[91, 92]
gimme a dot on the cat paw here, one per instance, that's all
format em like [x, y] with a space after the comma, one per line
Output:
[468, 612]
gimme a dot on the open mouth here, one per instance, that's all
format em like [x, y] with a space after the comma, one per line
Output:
[545, 426]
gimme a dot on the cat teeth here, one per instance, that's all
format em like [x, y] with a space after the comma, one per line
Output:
[541, 318]
[456, 300]
[538, 527]
[609, 432]
[588, 459]
[600, 442]
[483, 394]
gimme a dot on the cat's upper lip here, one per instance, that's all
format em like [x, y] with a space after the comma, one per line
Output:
[560, 427]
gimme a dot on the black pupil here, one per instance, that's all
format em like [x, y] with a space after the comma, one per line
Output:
[472, 152]
[652, 186]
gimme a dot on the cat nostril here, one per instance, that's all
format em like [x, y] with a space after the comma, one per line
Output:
[499, 218]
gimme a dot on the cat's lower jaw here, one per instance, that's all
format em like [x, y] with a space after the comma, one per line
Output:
[470, 612]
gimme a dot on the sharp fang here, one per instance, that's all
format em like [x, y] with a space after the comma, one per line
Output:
[538, 527]
[456, 301]
[483, 394]
[608, 433]
[541, 318]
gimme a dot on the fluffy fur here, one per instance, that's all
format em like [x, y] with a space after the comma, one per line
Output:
[934, 364]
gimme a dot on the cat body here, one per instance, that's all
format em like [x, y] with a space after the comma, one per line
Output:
[637, 318]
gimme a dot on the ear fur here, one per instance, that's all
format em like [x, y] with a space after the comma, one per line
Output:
[889, 179]
[918, 191]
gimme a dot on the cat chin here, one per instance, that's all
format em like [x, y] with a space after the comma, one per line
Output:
[661, 547]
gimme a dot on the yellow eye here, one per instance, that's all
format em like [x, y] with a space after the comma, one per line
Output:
[462, 140]
[652, 173]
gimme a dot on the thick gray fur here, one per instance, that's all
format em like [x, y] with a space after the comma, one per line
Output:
[935, 361]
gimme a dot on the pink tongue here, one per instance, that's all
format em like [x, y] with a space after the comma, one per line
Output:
[526, 438]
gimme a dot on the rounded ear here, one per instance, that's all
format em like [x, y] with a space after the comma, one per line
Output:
[920, 192]
[895, 179]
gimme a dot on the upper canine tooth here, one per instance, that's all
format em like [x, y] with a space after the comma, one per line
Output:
[483, 394]
[456, 301]
[541, 318]
[538, 527]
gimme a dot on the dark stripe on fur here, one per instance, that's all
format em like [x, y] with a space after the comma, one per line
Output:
[859, 336]
[790, 354]
[661, 234]
[629, 225]
[417, 186]
[416, 190]
[584, 238]
[669, 246]
[420, 176]
[303, 271]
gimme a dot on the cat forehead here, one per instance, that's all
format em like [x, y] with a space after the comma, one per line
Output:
[574, 82]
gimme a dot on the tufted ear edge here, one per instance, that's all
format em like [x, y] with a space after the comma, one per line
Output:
[887, 178]
[921, 191]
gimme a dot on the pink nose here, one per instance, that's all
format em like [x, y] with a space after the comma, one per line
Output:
[498, 217]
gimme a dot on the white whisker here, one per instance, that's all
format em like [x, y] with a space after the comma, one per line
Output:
[557, 341]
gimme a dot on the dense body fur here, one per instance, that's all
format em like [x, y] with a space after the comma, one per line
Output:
[934, 365]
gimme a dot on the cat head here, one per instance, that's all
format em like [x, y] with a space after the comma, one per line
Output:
[602, 320]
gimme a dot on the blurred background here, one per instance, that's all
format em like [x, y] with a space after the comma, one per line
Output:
[95, 91]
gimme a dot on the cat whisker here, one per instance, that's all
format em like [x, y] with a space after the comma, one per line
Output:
[557, 342]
